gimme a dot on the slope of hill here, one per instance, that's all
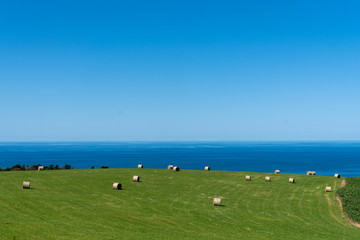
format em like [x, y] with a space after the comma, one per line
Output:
[81, 204]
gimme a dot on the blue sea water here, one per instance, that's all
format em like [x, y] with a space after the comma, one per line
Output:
[326, 158]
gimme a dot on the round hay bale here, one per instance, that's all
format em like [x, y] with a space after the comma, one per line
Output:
[248, 178]
[308, 173]
[313, 173]
[327, 189]
[170, 166]
[176, 169]
[26, 185]
[207, 168]
[291, 180]
[217, 202]
[277, 171]
[40, 168]
[117, 186]
[136, 179]
[267, 178]
[337, 175]
[140, 166]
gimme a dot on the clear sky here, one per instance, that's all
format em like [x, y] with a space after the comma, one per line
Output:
[179, 70]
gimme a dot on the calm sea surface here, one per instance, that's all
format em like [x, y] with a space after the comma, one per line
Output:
[325, 158]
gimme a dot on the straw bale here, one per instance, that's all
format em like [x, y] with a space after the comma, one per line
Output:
[291, 180]
[217, 202]
[136, 179]
[140, 166]
[207, 168]
[26, 185]
[248, 178]
[117, 186]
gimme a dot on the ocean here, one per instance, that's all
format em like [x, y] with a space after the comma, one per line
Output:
[326, 158]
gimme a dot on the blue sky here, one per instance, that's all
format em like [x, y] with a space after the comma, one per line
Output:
[185, 70]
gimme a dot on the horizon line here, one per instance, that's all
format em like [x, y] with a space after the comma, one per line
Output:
[149, 141]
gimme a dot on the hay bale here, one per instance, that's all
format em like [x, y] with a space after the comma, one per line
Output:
[291, 180]
[310, 173]
[176, 169]
[136, 179]
[248, 178]
[327, 189]
[40, 168]
[217, 202]
[170, 166]
[313, 173]
[140, 166]
[117, 186]
[26, 185]
[207, 168]
[337, 175]
[277, 171]
[267, 178]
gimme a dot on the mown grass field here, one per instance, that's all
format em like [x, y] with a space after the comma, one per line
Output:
[81, 204]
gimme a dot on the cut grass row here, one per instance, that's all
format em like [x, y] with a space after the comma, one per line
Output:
[81, 204]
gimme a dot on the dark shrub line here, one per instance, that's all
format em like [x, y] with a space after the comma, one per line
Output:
[19, 167]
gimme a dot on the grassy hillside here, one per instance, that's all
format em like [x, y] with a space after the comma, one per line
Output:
[81, 204]
[350, 197]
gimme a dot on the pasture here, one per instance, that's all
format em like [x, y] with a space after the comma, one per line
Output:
[164, 204]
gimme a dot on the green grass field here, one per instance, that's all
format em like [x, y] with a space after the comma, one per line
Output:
[81, 204]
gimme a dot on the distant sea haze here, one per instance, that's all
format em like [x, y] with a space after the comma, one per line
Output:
[326, 158]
